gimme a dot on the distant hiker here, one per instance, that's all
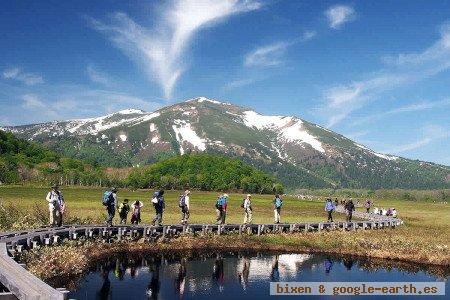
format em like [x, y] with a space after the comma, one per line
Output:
[277, 202]
[221, 208]
[124, 209]
[184, 205]
[159, 205]
[394, 213]
[329, 208]
[56, 206]
[350, 208]
[136, 212]
[110, 201]
[247, 206]
[367, 205]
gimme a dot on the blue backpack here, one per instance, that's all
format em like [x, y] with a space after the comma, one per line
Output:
[108, 198]
[182, 202]
[278, 202]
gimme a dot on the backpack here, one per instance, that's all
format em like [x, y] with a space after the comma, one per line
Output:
[242, 204]
[219, 204]
[182, 202]
[278, 202]
[108, 198]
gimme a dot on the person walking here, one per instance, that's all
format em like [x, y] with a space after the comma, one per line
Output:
[124, 209]
[56, 206]
[110, 201]
[367, 205]
[136, 212]
[247, 206]
[159, 205]
[184, 205]
[329, 208]
[221, 208]
[277, 202]
[350, 208]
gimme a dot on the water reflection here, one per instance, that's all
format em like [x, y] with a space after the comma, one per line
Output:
[224, 275]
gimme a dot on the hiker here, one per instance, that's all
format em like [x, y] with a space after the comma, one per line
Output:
[136, 212]
[159, 205]
[329, 208]
[110, 201]
[124, 209]
[247, 206]
[350, 208]
[394, 213]
[277, 202]
[184, 205]
[221, 208]
[367, 205]
[56, 206]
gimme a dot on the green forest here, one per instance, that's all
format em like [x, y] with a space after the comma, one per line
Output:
[204, 172]
[23, 161]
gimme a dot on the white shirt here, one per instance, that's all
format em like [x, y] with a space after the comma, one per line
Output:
[247, 203]
[186, 201]
[53, 198]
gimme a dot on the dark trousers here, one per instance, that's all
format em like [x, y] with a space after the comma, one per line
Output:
[349, 216]
[330, 215]
[158, 218]
[111, 212]
[367, 209]
[184, 214]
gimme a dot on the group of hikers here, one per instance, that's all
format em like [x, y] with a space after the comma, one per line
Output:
[57, 207]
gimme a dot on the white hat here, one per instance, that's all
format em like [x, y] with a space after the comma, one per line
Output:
[248, 195]
[225, 195]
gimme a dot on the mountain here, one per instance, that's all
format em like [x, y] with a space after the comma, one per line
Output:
[301, 154]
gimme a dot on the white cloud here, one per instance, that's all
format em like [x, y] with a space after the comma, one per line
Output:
[97, 76]
[430, 133]
[308, 35]
[19, 75]
[31, 101]
[161, 50]
[338, 15]
[341, 100]
[266, 56]
[419, 106]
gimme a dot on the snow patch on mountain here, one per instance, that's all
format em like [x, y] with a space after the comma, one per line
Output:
[380, 155]
[204, 99]
[253, 119]
[152, 127]
[185, 133]
[123, 137]
[297, 133]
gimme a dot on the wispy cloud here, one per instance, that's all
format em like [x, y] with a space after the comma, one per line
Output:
[31, 101]
[24, 77]
[308, 35]
[266, 56]
[338, 15]
[97, 76]
[162, 49]
[430, 133]
[342, 100]
[419, 106]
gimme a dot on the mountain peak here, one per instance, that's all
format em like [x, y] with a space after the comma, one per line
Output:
[202, 99]
[130, 111]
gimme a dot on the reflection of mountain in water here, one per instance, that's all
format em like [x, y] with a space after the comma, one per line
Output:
[220, 275]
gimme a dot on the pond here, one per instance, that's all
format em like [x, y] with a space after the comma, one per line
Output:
[231, 275]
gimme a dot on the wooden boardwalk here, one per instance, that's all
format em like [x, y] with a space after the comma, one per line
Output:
[26, 286]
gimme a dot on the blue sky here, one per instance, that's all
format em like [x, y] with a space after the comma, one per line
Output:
[375, 71]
